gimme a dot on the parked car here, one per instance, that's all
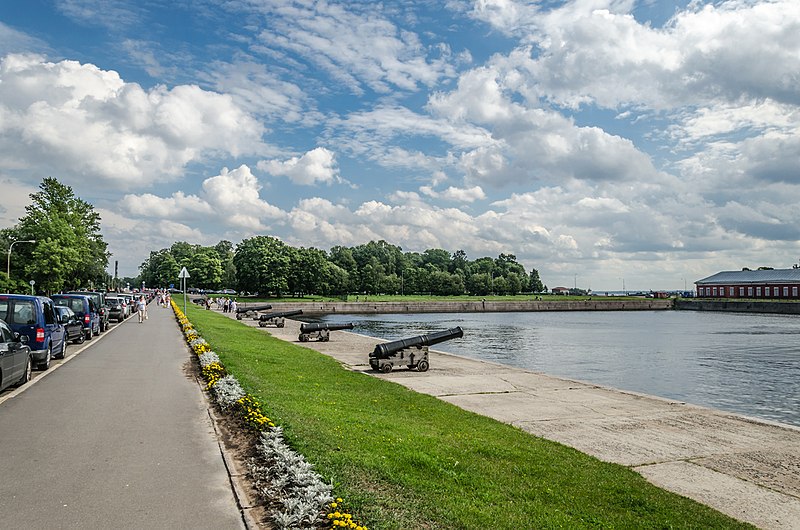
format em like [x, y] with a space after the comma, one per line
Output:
[72, 324]
[117, 308]
[15, 358]
[99, 300]
[34, 317]
[84, 307]
[129, 303]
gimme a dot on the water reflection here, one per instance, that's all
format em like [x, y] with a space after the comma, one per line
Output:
[744, 363]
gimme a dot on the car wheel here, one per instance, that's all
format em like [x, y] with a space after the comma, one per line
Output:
[89, 334]
[26, 376]
[44, 365]
[63, 352]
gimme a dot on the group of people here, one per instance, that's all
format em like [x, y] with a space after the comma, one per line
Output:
[227, 305]
[163, 298]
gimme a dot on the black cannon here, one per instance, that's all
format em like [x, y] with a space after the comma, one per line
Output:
[251, 311]
[276, 319]
[320, 330]
[412, 352]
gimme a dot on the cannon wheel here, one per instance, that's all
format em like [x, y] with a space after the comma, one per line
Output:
[302, 337]
[422, 366]
[262, 324]
[238, 316]
[386, 368]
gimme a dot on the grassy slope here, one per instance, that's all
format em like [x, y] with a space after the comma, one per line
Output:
[407, 460]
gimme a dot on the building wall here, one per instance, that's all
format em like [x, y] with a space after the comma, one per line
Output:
[766, 291]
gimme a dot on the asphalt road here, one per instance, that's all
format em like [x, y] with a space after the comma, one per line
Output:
[115, 436]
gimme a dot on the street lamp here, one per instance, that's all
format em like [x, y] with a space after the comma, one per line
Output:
[8, 262]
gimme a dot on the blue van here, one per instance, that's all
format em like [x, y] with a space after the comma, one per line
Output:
[83, 306]
[34, 317]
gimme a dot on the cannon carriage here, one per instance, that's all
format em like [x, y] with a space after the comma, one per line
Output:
[319, 330]
[252, 311]
[412, 352]
[276, 319]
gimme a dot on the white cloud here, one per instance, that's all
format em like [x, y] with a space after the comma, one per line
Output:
[230, 199]
[78, 121]
[317, 165]
[356, 45]
[452, 193]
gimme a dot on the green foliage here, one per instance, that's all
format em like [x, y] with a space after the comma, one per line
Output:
[267, 266]
[69, 251]
[262, 265]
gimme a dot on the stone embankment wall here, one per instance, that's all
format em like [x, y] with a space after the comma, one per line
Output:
[740, 306]
[590, 304]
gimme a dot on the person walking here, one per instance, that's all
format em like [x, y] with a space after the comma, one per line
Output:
[141, 306]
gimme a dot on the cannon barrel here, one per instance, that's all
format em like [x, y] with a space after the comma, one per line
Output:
[245, 309]
[386, 349]
[319, 326]
[281, 314]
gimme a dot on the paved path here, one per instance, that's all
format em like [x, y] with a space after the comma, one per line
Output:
[745, 468]
[117, 437]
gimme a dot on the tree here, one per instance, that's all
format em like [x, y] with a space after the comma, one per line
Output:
[225, 252]
[262, 265]
[69, 251]
[307, 271]
[205, 268]
[535, 283]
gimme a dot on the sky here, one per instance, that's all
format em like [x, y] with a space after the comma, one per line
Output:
[606, 143]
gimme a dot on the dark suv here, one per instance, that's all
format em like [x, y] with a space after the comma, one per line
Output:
[35, 317]
[99, 300]
[84, 308]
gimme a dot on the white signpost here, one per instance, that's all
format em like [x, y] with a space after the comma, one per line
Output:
[183, 275]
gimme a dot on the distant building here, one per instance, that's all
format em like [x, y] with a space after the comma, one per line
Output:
[559, 290]
[773, 284]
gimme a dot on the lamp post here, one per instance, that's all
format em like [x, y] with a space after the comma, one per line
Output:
[8, 262]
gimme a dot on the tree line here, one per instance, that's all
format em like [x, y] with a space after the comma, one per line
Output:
[57, 244]
[267, 266]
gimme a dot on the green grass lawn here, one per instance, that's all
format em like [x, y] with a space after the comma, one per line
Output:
[406, 460]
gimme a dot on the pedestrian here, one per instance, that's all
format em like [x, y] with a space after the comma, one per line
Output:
[233, 306]
[141, 307]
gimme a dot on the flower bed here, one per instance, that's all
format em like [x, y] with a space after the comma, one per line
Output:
[296, 494]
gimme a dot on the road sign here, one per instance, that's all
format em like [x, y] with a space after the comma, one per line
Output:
[183, 274]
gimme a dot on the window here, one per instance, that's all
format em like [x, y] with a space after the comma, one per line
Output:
[750, 292]
[730, 291]
[741, 291]
[794, 291]
[786, 292]
[766, 292]
[715, 291]
[49, 316]
[23, 313]
[758, 291]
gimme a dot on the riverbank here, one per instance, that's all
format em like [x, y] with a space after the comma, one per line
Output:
[745, 468]
[478, 306]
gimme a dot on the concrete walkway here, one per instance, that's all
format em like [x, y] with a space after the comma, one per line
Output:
[117, 437]
[746, 468]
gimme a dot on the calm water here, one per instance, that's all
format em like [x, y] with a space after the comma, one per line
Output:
[743, 363]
